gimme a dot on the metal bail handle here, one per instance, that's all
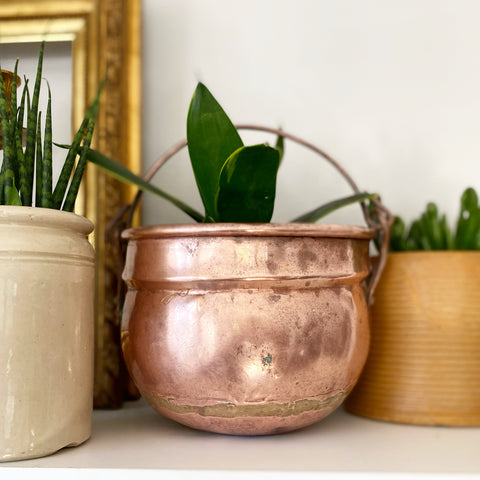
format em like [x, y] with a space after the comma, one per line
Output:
[380, 219]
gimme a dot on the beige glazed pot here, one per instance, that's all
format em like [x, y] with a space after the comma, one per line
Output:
[46, 329]
[246, 329]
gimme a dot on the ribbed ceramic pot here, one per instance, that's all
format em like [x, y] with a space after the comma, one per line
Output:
[424, 363]
[246, 329]
[47, 273]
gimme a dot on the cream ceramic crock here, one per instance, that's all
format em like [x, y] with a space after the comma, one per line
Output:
[46, 329]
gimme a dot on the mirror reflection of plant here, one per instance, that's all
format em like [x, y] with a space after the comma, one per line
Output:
[27, 158]
[431, 230]
[237, 183]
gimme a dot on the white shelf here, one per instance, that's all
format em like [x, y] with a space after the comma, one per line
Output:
[340, 446]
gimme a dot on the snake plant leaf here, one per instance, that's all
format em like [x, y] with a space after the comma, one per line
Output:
[39, 163]
[118, 171]
[13, 94]
[12, 197]
[246, 191]
[68, 165]
[212, 138]
[73, 150]
[20, 133]
[47, 169]
[78, 174]
[8, 146]
[317, 213]
[26, 180]
[14, 125]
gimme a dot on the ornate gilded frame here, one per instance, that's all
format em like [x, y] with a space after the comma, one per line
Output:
[105, 36]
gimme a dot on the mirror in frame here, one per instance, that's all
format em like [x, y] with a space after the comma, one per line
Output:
[105, 43]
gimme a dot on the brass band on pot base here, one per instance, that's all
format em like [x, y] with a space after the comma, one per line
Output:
[237, 419]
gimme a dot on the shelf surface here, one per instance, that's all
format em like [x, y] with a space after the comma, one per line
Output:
[342, 446]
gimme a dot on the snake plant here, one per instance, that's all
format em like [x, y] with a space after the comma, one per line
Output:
[237, 183]
[26, 172]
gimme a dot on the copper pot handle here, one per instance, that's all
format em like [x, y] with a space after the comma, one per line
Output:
[380, 219]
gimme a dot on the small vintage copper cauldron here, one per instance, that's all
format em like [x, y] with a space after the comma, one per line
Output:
[247, 328]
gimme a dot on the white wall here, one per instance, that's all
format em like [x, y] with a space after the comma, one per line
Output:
[391, 88]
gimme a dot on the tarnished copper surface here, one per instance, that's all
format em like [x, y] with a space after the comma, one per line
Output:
[246, 333]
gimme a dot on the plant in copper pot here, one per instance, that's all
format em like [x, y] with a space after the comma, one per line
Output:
[424, 364]
[236, 182]
[47, 275]
[234, 324]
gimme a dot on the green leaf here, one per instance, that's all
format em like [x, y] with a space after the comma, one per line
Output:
[468, 207]
[246, 191]
[212, 138]
[46, 172]
[39, 164]
[26, 180]
[13, 100]
[12, 196]
[78, 174]
[19, 130]
[122, 173]
[2, 182]
[67, 168]
[397, 235]
[280, 147]
[323, 210]
[8, 140]
[13, 124]
[449, 239]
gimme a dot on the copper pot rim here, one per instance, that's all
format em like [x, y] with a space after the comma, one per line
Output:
[250, 230]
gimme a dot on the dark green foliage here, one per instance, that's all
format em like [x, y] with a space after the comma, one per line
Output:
[27, 159]
[237, 183]
[118, 171]
[246, 188]
[39, 164]
[432, 232]
[212, 138]
[46, 171]
[319, 212]
[77, 177]
[26, 180]
[10, 193]
[19, 131]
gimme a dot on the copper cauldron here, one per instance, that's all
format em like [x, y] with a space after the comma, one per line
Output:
[249, 328]
[246, 329]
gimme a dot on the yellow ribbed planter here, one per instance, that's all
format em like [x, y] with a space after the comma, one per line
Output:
[424, 361]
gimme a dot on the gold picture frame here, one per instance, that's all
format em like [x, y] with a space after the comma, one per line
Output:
[106, 43]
